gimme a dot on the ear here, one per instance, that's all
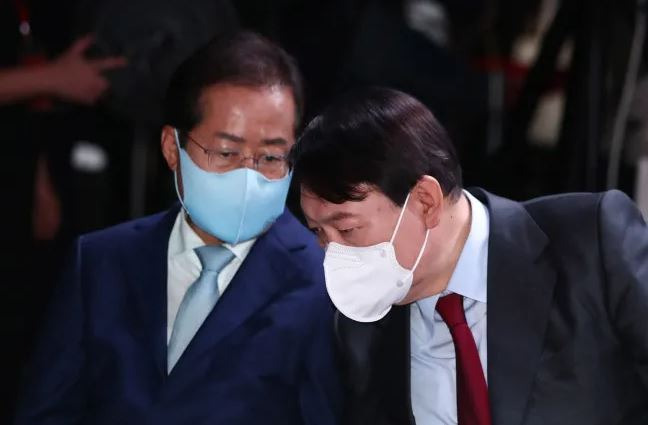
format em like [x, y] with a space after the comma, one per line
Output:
[430, 197]
[169, 147]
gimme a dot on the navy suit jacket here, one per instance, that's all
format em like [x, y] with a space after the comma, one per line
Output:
[263, 356]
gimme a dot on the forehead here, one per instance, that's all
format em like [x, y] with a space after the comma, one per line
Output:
[236, 108]
[371, 207]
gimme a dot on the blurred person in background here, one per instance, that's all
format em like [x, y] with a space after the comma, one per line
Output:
[71, 77]
[459, 306]
[214, 311]
[41, 72]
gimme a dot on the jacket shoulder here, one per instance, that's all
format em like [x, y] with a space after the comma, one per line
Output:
[303, 259]
[568, 214]
[564, 203]
[578, 211]
[123, 235]
[299, 241]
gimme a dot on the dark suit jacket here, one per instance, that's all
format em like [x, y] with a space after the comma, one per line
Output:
[567, 320]
[263, 355]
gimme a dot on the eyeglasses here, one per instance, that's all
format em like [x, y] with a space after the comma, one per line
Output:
[270, 164]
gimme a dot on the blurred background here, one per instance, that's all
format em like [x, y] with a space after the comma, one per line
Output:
[540, 96]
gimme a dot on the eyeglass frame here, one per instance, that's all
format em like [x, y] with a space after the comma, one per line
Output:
[255, 159]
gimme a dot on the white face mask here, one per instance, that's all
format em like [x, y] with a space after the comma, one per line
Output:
[364, 282]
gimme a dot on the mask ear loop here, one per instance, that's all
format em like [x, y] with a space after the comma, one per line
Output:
[175, 173]
[418, 260]
[421, 252]
[400, 218]
[427, 234]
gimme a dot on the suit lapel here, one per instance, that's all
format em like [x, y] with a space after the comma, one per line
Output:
[396, 364]
[260, 278]
[520, 292]
[376, 361]
[148, 270]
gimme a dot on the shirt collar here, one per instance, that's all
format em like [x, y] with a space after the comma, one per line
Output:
[184, 239]
[470, 275]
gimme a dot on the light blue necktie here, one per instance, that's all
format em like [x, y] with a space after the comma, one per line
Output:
[198, 301]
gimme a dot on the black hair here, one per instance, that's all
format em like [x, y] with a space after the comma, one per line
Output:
[242, 58]
[374, 137]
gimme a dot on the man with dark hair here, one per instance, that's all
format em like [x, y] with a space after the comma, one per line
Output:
[460, 306]
[210, 313]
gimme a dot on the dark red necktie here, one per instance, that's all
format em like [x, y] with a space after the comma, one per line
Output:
[472, 392]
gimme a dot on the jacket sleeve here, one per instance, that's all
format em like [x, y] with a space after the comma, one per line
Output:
[53, 389]
[320, 393]
[624, 247]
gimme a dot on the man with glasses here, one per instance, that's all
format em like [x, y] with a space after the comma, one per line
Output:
[214, 312]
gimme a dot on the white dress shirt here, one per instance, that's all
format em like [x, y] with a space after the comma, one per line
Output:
[184, 266]
[433, 366]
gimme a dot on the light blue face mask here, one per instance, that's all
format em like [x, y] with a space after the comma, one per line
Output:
[235, 206]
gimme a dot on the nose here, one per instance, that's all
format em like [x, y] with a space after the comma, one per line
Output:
[326, 236]
[248, 162]
[333, 236]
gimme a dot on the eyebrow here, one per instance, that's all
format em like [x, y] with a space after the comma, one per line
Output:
[275, 141]
[341, 215]
[230, 137]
